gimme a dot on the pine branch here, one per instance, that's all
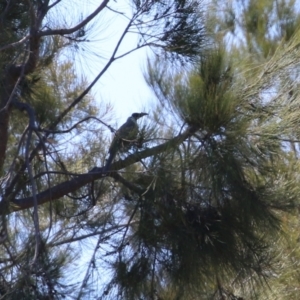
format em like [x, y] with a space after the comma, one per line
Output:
[69, 186]
[63, 31]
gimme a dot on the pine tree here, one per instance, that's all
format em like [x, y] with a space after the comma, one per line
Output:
[52, 133]
[207, 204]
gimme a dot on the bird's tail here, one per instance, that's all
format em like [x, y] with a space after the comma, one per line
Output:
[109, 161]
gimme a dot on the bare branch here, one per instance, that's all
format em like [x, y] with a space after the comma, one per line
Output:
[117, 228]
[72, 185]
[12, 94]
[90, 266]
[78, 26]
[15, 44]
[32, 122]
[53, 4]
[76, 124]
[126, 183]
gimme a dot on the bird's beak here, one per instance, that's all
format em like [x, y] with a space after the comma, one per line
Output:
[143, 114]
[138, 115]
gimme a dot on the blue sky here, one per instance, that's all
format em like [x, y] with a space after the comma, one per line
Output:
[123, 84]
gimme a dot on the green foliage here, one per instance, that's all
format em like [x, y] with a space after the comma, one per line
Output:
[183, 32]
[205, 208]
[42, 281]
[257, 27]
[208, 102]
[13, 21]
[216, 203]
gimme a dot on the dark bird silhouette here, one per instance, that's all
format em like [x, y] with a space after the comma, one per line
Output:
[125, 136]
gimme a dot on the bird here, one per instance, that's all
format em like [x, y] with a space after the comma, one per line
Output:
[124, 137]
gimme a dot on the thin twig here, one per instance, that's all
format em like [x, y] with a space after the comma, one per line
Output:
[15, 44]
[78, 26]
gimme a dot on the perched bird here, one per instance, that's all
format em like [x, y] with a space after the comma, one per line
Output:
[125, 136]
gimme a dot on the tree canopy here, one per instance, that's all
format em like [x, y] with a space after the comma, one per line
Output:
[203, 206]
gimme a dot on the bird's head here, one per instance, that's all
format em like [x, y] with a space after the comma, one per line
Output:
[136, 116]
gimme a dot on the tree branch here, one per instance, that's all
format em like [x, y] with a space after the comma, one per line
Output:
[53, 4]
[116, 176]
[74, 184]
[63, 31]
[15, 44]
